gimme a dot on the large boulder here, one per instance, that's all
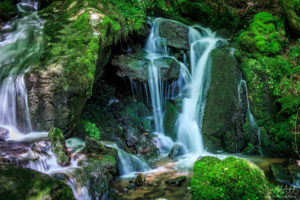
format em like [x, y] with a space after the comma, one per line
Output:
[231, 178]
[21, 183]
[223, 118]
[61, 82]
[3, 134]
[97, 174]
[135, 67]
[175, 33]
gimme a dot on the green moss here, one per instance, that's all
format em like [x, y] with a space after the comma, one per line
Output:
[265, 35]
[91, 129]
[21, 183]
[231, 178]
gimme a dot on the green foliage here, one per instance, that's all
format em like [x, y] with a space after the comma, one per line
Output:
[231, 178]
[56, 135]
[7, 9]
[91, 129]
[265, 35]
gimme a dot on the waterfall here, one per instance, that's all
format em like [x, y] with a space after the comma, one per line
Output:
[190, 120]
[128, 164]
[252, 120]
[19, 49]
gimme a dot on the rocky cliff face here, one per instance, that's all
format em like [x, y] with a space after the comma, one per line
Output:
[78, 37]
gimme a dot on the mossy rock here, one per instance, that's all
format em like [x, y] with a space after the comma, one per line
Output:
[220, 126]
[231, 178]
[170, 118]
[18, 183]
[265, 35]
[58, 146]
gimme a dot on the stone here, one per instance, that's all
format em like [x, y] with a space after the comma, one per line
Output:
[223, 117]
[23, 183]
[213, 179]
[175, 33]
[178, 181]
[140, 180]
[176, 151]
[169, 121]
[58, 146]
[135, 67]
[3, 134]
[93, 146]
[281, 173]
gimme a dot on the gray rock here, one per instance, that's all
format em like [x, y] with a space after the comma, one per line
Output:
[177, 150]
[175, 33]
[178, 181]
[3, 134]
[135, 67]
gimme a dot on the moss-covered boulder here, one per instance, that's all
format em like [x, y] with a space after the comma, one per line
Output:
[231, 178]
[223, 118]
[265, 35]
[291, 9]
[170, 118]
[95, 147]
[18, 183]
[78, 36]
[97, 173]
[58, 146]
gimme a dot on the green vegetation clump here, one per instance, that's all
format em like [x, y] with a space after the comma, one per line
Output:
[231, 178]
[91, 129]
[265, 35]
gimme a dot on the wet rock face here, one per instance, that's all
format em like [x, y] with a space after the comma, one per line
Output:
[176, 34]
[176, 151]
[48, 103]
[30, 184]
[135, 67]
[223, 118]
[3, 134]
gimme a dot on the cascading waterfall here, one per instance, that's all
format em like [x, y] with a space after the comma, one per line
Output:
[19, 49]
[128, 164]
[190, 120]
[253, 124]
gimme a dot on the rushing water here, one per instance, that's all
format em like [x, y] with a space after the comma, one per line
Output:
[20, 47]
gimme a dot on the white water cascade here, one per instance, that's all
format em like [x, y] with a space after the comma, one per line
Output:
[190, 120]
[20, 47]
[252, 120]
[128, 164]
